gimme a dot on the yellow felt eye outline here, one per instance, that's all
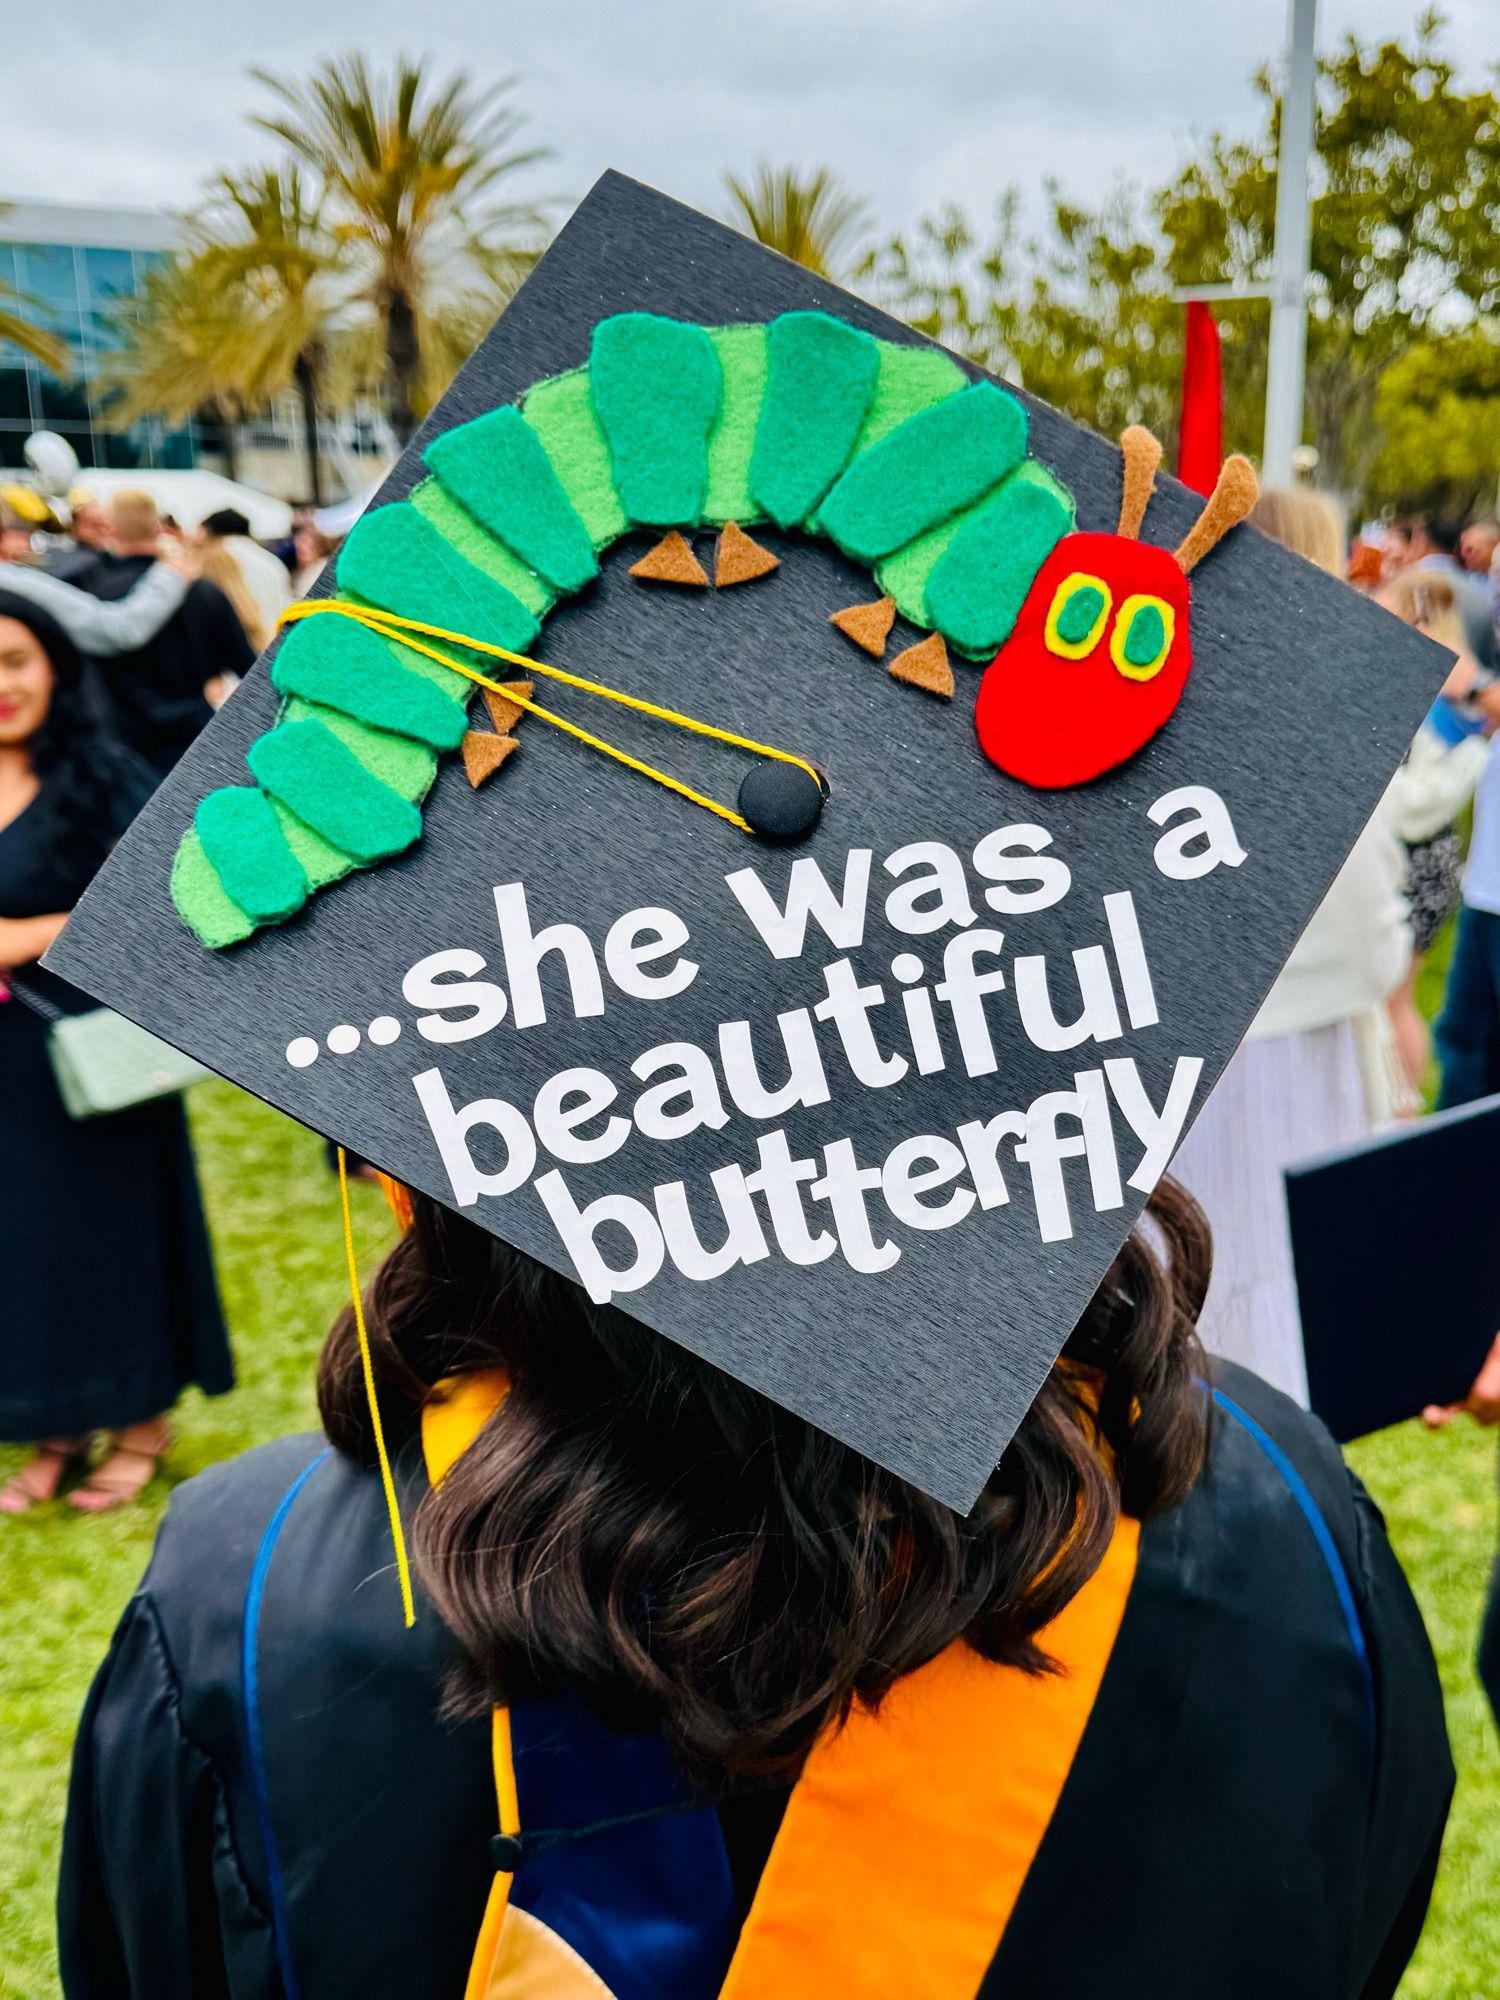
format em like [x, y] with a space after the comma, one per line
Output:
[1142, 670]
[1067, 590]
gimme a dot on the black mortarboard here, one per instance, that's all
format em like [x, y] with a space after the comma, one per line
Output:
[855, 1081]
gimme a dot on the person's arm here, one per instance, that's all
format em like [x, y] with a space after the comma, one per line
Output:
[137, 1909]
[97, 627]
[24, 939]
[1482, 1402]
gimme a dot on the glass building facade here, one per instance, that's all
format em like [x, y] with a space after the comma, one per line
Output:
[73, 270]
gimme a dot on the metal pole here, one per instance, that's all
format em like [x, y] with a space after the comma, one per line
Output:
[1288, 353]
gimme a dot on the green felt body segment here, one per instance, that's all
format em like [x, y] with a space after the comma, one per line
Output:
[1146, 636]
[904, 576]
[657, 388]
[248, 852]
[911, 379]
[493, 559]
[930, 468]
[819, 385]
[317, 777]
[742, 352]
[339, 664]
[202, 901]
[561, 412]
[396, 559]
[320, 860]
[981, 579]
[407, 767]
[495, 467]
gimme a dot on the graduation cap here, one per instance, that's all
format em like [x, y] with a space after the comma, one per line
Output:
[773, 823]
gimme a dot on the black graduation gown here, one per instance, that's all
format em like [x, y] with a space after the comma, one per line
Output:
[155, 694]
[1254, 1808]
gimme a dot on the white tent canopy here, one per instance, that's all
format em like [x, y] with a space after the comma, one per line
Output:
[188, 496]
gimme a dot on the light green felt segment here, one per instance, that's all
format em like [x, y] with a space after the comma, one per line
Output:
[1146, 636]
[561, 412]
[496, 468]
[321, 861]
[743, 358]
[657, 388]
[248, 852]
[904, 575]
[201, 899]
[910, 379]
[321, 780]
[937, 463]
[408, 768]
[342, 665]
[1080, 614]
[395, 558]
[820, 382]
[463, 533]
[981, 579]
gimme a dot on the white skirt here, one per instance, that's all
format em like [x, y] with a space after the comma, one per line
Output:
[1280, 1101]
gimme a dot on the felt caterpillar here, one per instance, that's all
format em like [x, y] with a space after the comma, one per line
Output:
[806, 422]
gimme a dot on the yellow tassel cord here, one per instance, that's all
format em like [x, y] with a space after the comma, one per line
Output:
[387, 1478]
[389, 626]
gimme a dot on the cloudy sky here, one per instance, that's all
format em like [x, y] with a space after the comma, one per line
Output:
[909, 101]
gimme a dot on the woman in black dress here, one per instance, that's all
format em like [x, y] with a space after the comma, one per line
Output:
[110, 1303]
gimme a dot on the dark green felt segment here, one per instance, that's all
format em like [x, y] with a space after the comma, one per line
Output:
[820, 383]
[657, 388]
[463, 533]
[937, 462]
[981, 580]
[307, 767]
[342, 665]
[407, 767]
[201, 899]
[742, 356]
[561, 412]
[395, 558]
[248, 852]
[910, 379]
[1146, 635]
[1080, 614]
[496, 468]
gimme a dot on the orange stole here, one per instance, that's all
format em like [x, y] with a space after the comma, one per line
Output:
[907, 1838]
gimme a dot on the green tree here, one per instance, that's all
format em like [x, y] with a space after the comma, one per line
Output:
[183, 347]
[262, 235]
[413, 177]
[807, 217]
[21, 331]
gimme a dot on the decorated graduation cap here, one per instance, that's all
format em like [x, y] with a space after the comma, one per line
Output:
[772, 822]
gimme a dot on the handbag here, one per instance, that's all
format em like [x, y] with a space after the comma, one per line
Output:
[103, 1063]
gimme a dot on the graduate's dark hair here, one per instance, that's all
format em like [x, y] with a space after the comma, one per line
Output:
[634, 1524]
[77, 761]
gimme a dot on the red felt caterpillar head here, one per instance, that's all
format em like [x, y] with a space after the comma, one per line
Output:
[1101, 650]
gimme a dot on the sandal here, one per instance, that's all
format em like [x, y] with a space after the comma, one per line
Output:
[127, 1472]
[34, 1485]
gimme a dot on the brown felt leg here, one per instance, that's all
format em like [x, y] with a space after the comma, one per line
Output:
[484, 754]
[506, 714]
[925, 666]
[868, 625]
[671, 561]
[740, 559]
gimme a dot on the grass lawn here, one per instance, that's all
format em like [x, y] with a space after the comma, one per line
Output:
[274, 1207]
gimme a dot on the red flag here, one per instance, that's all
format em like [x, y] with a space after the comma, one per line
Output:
[1200, 450]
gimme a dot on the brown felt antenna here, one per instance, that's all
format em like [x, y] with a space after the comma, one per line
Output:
[1142, 456]
[1235, 492]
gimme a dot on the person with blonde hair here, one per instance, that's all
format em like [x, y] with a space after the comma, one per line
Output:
[218, 562]
[1317, 1068]
[159, 693]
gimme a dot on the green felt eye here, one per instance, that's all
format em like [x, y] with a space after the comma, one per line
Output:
[1079, 609]
[1142, 637]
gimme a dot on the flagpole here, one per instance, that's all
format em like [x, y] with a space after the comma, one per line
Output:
[1286, 369]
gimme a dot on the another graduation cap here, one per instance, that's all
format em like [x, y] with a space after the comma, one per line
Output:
[740, 825]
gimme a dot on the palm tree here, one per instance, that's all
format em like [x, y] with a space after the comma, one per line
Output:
[42, 345]
[807, 217]
[411, 174]
[261, 234]
[186, 343]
